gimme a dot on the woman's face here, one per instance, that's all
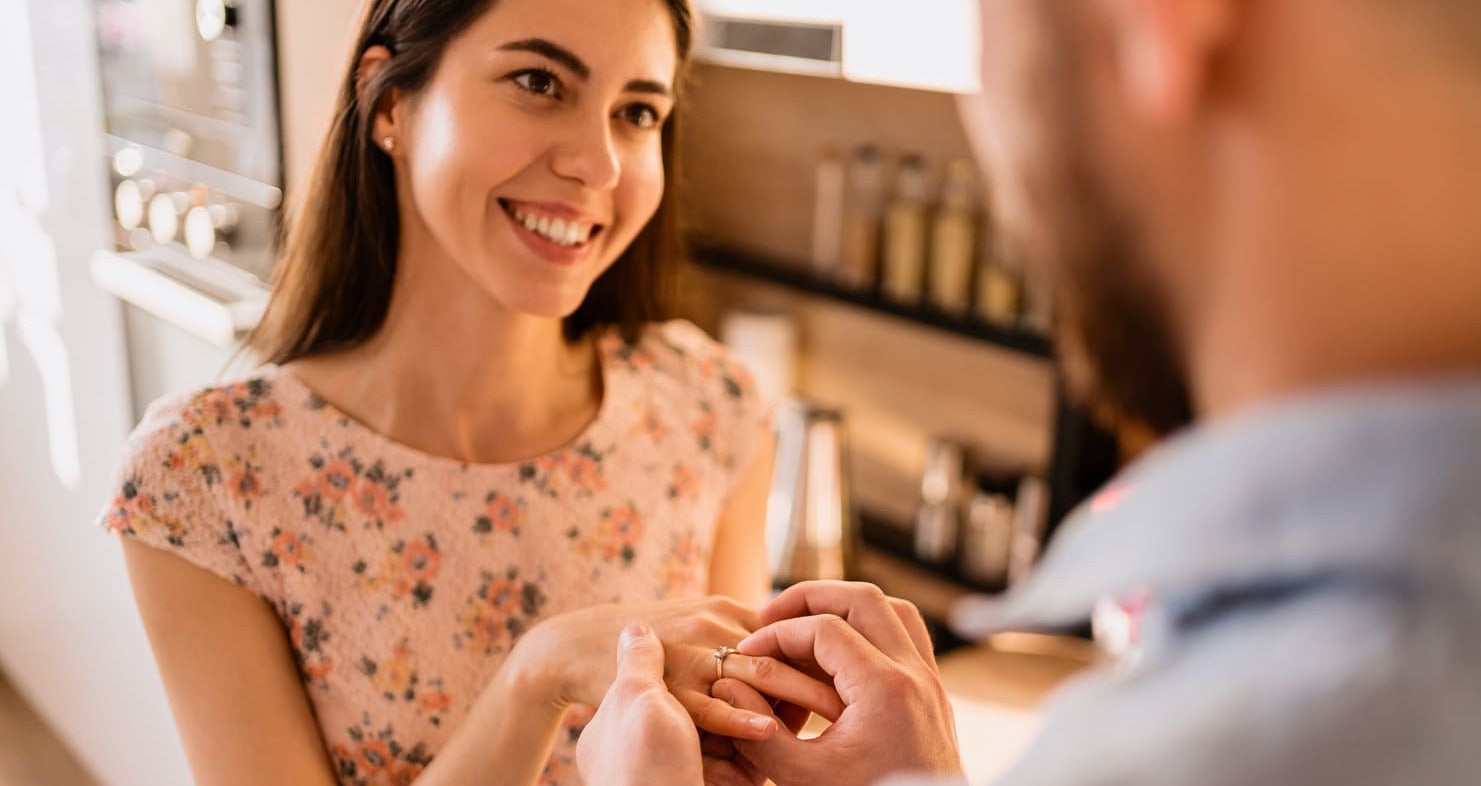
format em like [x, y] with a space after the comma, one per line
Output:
[533, 156]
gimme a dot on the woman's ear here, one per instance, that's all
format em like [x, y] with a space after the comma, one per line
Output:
[383, 123]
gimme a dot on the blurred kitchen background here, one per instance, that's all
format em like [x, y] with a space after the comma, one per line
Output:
[839, 244]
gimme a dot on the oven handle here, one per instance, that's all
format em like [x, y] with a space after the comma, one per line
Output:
[208, 298]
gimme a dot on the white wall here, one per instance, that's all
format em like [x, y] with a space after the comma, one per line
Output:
[70, 638]
[314, 40]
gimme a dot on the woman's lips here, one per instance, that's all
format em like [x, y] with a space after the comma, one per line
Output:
[543, 246]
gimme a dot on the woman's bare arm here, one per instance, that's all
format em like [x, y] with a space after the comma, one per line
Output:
[228, 669]
[738, 560]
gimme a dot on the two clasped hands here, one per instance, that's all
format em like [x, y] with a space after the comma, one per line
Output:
[845, 651]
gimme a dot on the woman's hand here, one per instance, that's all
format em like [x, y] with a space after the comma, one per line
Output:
[571, 655]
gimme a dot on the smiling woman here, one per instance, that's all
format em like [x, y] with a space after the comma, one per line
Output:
[475, 454]
[340, 258]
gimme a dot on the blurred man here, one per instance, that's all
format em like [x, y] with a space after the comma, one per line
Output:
[1263, 217]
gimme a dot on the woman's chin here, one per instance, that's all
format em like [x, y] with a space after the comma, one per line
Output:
[553, 305]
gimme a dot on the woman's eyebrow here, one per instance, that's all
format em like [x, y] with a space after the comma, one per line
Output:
[553, 51]
[648, 86]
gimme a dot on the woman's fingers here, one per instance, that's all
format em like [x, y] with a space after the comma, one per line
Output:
[739, 694]
[781, 681]
[718, 717]
[735, 769]
[863, 606]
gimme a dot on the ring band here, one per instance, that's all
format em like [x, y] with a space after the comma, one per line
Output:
[721, 653]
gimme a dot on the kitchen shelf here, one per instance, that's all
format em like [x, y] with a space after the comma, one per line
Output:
[796, 277]
[886, 537]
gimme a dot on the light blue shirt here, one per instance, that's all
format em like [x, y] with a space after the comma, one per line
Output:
[1315, 570]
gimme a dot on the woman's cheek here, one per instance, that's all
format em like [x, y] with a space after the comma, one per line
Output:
[643, 187]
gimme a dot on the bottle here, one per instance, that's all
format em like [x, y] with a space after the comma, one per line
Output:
[938, 522]
[827, 231]
[987, 542]
[999, 292]
[905, 233]
[1037, 308]
[954, 239]
[861, 219]
[1030, 519]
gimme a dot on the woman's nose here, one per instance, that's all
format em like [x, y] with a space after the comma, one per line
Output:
[589, 155]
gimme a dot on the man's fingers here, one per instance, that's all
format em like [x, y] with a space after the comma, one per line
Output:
[798, 759]
[915, 625]
[793, 717]
[718, 717]
[728, 772]
[639, 656]
[849, 659]
[781, 681]
[716, 746]
[862, 605]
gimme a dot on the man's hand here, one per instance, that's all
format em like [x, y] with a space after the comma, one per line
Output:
[877, 652]
[640, 734]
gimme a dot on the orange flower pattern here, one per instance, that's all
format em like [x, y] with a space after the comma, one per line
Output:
[403, 580]
[372, 757]
[502, 513]
[683, 568]
[397, 678]
[408, 569]
[685, 484]
[498, 613]
[289, 550]
[576, 472]
[341, 489]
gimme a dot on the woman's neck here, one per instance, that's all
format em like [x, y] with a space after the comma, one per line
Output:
[453, 373]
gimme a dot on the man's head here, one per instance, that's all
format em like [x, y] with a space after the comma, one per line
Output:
[1214, 189]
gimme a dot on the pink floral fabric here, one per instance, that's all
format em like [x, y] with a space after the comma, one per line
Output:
[404, 579]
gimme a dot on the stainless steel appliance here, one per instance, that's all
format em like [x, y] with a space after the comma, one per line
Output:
[810, 527]
[194, 158]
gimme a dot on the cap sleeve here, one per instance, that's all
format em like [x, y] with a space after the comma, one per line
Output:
[168, 494]
[738, 414]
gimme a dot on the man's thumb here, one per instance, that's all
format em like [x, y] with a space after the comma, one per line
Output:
[639, 654]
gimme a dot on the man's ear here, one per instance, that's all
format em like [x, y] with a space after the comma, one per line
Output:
[384, 122]
[1164, 51]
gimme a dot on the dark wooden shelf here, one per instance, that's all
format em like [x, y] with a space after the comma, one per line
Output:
[798, 278]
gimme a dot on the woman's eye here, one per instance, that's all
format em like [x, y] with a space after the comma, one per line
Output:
[538, 81]
[642, 116]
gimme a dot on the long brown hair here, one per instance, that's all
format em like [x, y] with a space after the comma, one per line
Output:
[333, 281]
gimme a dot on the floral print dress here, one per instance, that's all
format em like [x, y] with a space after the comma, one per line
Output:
[403, 579]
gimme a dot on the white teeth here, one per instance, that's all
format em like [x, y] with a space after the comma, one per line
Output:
[556, 230]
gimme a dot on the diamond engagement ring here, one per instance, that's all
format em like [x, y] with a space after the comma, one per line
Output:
[721, 653]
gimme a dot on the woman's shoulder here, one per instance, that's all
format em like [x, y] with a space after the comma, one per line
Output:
[253, 401]
[679, 352]
[698, 381]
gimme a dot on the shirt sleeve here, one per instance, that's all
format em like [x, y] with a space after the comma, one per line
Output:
[741, 416]
[169, 494]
